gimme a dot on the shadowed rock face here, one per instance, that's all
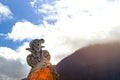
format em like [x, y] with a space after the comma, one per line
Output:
[95, 62]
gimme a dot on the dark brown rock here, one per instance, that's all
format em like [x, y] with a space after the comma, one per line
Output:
[94, 62]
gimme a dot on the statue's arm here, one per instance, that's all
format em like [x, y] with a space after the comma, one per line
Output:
[30, 61]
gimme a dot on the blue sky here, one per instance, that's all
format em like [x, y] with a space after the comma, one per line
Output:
[21, 10]
[66, 25]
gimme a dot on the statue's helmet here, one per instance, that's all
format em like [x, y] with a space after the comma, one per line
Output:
[36, 45]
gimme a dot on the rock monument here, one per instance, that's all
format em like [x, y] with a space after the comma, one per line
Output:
[39, 61]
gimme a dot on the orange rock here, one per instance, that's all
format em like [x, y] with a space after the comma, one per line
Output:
[43, 74]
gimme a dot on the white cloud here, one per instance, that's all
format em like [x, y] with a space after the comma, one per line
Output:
[13, 61]
[1, 34]
[15, 67]
[32, 3]
[19, 54]
[25, 29]
[79, 23]
[5, 12]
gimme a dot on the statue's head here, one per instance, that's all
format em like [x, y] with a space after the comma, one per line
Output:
[36, 45]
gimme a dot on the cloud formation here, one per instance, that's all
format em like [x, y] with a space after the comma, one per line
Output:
[23, 30]
[13, 64]
[5, 12]
[77, 24]
[11, 69]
